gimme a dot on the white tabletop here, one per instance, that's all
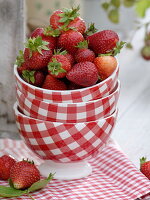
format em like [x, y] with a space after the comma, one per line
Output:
[132, 131]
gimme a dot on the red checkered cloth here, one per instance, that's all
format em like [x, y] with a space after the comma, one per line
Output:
[114, 177]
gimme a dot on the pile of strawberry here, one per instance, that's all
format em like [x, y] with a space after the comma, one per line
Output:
[67, 55]
[23, 177]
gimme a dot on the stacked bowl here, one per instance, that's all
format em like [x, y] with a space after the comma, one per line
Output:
[67, 128]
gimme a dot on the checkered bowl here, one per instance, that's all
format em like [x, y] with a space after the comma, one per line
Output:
[64, 142]
[69, 112]
[99, 90]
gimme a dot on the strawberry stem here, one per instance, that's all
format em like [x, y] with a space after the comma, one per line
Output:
[142, 161]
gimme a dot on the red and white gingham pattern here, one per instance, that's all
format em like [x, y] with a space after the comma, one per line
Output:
[114, 177]
[70, 113]
[99, 90]
[65, 142]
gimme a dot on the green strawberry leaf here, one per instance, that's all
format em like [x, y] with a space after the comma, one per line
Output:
[11, 192]
[118, 48]
[20, 59]
[40, 184]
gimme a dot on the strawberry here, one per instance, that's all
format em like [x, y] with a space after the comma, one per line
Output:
[23, 174]
[145, 167]
[58, 66]
[145, 52]
[21, 63]
[52, 83]
[6, 162]
[83, 53]
[35, 78]
[67, 19]
[84, 74]
[37, 54]
[103, 42]
[73, 86]
[66, 54]
[78, 24]
[105, 65]
[47, 34]
[69, 40]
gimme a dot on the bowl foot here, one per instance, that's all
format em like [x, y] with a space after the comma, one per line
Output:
[66, 171]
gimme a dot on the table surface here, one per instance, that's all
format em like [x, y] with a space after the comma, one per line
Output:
[132, 131]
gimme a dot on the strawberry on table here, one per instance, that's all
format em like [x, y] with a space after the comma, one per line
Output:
[69, 40]
[145, 167]
[23, 174]
[48, 34]
[37, 54]
[52, 83]
[105, 65]
[145, 52]
[35, 78]
[58, 66]
[103, 42]
[83, 53]
[84, 74]
[6, 162]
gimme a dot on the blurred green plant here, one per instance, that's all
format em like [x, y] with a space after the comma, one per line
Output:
[112, 8]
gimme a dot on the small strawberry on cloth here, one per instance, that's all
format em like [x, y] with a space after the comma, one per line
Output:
[114, 177]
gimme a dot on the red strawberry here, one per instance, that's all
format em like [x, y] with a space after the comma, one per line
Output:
[73, 86]
[84, 74]
[145, 167]
[21, 63]
[52, 83]
[47, 34]
[83, 53]
[103, 42]
[79, 25]
[37, 54]
[69, 40]
[23, 174]
[66, 54]
[55, 18]
[6, 162]
[105, 65]
[58, 66]
[35, 78]
[67, 18]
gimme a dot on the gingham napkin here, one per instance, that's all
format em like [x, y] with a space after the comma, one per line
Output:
[114, 177]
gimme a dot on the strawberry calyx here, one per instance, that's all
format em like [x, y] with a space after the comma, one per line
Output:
[36, 44]
[29, 77]
[20, 59]
[142, 160]
[69, 15]
[114, 51]
[60, 52]
[55, 67]
[91, 29]
[49, 31]
[82, 45]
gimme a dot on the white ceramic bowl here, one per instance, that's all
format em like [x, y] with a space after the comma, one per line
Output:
[65, 144]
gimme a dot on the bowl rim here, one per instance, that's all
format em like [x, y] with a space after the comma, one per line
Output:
[117, 89]
[17, 112]
[64, 91]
